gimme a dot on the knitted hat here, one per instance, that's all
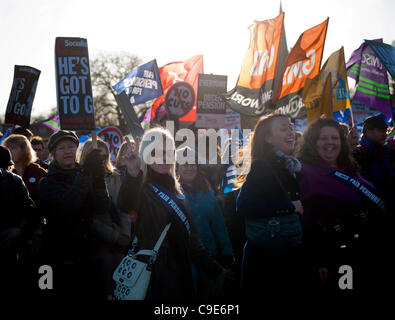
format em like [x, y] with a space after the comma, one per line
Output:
[60, 135]
[374, 122]
[5, 157]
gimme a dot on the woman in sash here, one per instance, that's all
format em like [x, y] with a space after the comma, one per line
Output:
[336, 224]
[150, 188]
[269, 202]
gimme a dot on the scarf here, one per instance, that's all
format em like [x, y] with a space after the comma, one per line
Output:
[165, 180]
[291, 163]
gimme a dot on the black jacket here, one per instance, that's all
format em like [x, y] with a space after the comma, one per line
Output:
[17, 208]
[171, 275]
[71, 202]
[263, 195]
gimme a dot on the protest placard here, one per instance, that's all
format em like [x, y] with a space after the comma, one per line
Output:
[179, 99]
[19, 107]
[210, 106]
[113, 137]
[73, 84]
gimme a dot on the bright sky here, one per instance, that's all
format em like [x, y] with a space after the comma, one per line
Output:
[171, 30]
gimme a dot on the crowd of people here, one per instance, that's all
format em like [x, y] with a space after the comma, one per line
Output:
[303, 206]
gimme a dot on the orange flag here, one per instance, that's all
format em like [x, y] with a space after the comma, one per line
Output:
[170, 73]
[303, 62]
[254, 88]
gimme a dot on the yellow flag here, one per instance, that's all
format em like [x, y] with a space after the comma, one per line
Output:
[317, 97]
[337, 67]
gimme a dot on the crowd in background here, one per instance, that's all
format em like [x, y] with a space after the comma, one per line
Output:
[303, 205]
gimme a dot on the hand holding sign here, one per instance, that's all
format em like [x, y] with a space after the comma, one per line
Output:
[132, 157]
[94, 164]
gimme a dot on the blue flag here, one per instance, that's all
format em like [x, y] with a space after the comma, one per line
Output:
[386, 54]
[142, 84]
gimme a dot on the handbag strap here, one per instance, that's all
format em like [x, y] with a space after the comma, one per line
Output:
[162, 237]
[156, 248]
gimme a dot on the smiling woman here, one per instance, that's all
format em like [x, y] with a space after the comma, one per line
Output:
[337, 223]
[269, 201]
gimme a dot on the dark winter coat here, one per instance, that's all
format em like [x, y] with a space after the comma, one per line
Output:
[262, 196]
[171, 275]
[268, 191]
[17, 208]
[31, 177]
[71, 203]
[375, 163]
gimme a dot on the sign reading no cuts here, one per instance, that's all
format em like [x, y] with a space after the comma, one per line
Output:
[113, 137]
[180, 99]
[19, 107]
[73, 84]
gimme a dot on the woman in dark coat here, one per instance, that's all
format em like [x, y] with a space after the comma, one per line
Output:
[339, 222]
[72, 196]
[171, 278]
[270, 203]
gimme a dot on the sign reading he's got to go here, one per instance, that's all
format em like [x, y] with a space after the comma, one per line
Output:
[73, 83]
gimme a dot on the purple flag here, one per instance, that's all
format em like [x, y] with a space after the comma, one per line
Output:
[53, 123]
[145, 119]
[372, 82]
[353, 65]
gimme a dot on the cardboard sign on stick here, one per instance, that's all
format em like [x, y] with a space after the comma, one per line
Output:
[73, 84]
[19, 107]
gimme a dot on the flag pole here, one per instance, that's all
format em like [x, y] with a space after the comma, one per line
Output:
[94, 139]
[352, 116]
[330, 90]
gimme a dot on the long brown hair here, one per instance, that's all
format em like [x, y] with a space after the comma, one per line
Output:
[22, 142]
[308, 152]
[257, 148]
[88, 147]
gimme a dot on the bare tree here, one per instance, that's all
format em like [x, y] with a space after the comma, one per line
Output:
[44, 115]
[107, 69]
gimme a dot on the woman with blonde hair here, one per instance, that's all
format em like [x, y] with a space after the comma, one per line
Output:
[24, 158]
[151, 187]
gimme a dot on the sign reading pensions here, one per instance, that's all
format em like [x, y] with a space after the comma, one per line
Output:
[19, 107]
[210, 112]
[73, 84]
[179, 99]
